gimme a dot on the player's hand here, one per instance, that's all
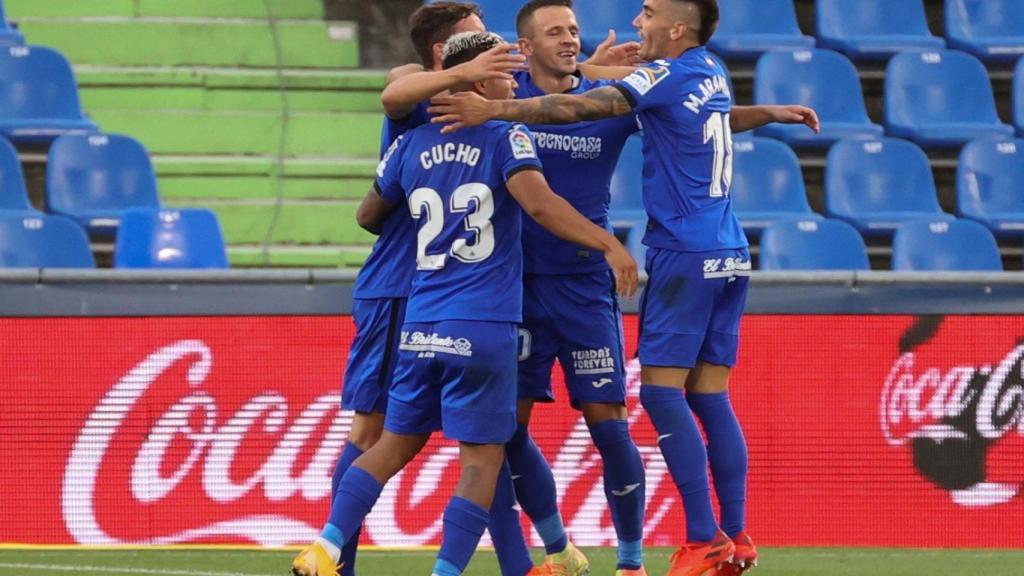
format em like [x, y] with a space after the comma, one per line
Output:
[498, 63]
[797, 115]
[625, 269]
[608, 53]
[460, 110]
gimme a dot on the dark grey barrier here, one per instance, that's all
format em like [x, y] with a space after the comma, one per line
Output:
[62, 293]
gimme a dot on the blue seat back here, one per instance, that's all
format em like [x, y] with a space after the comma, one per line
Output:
[100, 172]
[766, 177]
[757, 17]
[35, 240]
[186, 238]
[990, 179]
[922, 87]
[885, 175]
[1018, 97]
[980, 19]
[812, 245]
[597, 17]
[844, 19]
[499, 16]
[627, 180]
[13, 194]
[933, 246]
[635, 244]
[37, 82]
[821, 79]
[8, 35]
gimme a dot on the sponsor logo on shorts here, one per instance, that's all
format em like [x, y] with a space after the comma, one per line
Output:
[593, 361]
[601, 383]
[429, 344]
[726, 268]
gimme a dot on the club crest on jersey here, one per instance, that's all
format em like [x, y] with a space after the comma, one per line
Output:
[646, 78]
[522, 145]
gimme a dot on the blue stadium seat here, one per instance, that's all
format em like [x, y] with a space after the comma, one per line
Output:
[13, 194]
[749, 28]
[94, 178]
[8, 35]
[597, 17]
[635, 244]
[36, 240]
[874, 29]
[627, 202]
[990, 185]
[923, 88]
[1018, 98]
[499, 16]
[185, 238]
[878, 185]
[961, 245]
[993, 30]
[767, 184]
[822, 79]
[812, 245]
[38, 96]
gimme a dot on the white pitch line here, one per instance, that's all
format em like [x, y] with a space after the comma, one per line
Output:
[108, 569]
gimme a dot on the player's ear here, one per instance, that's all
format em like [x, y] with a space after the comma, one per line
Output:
[525, 47]
[480, 88]
[438, 53]
[678, 30]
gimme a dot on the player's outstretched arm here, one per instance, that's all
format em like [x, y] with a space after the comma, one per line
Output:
[743, 118]
[401, 95]
[372, 212]
[467, 109]
[531, 190]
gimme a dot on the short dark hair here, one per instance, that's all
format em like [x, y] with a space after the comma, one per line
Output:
[434, 23]
[709, 17]
[466, 46]
[526, 12]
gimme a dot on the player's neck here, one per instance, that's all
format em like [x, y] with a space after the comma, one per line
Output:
[551, 82]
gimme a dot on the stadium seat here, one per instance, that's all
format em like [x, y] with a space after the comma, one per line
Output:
[635, 244]
[813, 245]
[921, 90]
[961, 245]
[1018, 98]
[874, 29]
[8, 35]
[185, 238]
[749, 28]
[990, 185]
[36, 240]
[627, 202]
[94, 178]
[992, 30]
[822, 79]
[767, 184]
[38, 96]
[13, 194]
[878, 185]
[499, 16]
[597, 17]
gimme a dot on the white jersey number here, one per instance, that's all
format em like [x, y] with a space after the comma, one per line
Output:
[719, 133]
[427, 203]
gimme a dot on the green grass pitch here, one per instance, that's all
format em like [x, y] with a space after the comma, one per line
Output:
[232, 562]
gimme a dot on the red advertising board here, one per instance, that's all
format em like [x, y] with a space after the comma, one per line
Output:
[863, 430]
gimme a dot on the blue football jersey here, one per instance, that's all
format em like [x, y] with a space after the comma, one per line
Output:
[684, 107]
[387, 272]
[579, 160]
[469, 256]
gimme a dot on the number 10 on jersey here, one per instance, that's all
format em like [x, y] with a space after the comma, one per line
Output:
[718, 132]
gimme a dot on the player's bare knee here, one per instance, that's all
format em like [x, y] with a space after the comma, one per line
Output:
[708, 378]
[668, 376]
[367, 428]
[480, 465]
[595, 413]
[524, 409]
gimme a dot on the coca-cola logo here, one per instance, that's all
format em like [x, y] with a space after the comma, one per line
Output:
[951, 418]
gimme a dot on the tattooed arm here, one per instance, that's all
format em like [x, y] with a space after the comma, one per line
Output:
[467, 109]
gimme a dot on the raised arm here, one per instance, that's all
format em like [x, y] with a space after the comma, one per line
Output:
[531, 190]
[745, 118]
[405, 91]
[469, 109]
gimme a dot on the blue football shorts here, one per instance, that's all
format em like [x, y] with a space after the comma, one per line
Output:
[374, 352]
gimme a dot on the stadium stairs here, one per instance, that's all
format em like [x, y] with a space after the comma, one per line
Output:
[255, 109]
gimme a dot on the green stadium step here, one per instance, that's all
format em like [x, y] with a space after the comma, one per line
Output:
[195, 188]
[294, 9]
[199, 132]
[306, 167]
[297, 257]
[168, 42]
[103, 76]
[137, 98]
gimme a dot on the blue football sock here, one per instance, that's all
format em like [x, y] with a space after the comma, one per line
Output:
[685, 454]
[535, 489]
[506, 531]
[464, 524]
[624, 488]
[357, 493]
[727, 452]
[348, 551]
